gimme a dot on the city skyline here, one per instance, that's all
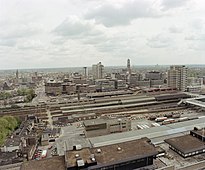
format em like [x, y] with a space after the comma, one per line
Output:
[46, 34]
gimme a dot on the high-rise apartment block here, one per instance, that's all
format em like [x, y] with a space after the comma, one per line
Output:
[98, 71]
[128, 66]
[177, 77]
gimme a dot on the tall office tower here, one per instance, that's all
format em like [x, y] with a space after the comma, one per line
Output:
[85, 72]
[36, 74]
[128, 66]
[98, 71]
[177, 77]
[17, 74]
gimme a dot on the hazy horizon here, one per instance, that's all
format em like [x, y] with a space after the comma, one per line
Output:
[117, 66]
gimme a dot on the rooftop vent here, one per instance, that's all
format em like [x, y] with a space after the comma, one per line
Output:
[77, 147]
[119, 148]
[80, 163]
[92, 156]
[99, 150]
[77, 155]
[93, 159]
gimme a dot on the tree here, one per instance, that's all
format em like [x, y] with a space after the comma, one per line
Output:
[2, 138]
[12, 122]
[7, 125]
[30, 95]
[4, 122]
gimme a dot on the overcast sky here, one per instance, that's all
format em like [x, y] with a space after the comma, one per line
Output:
[68, 33]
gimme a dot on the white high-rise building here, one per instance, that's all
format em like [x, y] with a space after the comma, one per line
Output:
[98, 71]
[128, 66]
[177, 77]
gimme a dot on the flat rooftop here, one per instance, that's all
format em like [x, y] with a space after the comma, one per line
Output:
[9, 158]
[135, 149]
[94, 122]
[57, 162]
[112, 154]
[151, 133]
[186, 143]
[200, 132]
[15, 141]
[71, 156]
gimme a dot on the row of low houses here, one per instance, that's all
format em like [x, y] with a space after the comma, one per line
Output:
[24, 141]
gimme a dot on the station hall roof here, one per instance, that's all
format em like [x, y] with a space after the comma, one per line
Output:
[151, 133]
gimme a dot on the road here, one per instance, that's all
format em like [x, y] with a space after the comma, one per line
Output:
[41, 96]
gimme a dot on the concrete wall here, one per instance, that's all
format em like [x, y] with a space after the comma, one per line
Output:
[10, 148]
[167, 168]
[197, 166]
[16, 166]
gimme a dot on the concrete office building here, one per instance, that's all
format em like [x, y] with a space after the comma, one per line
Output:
[134, 78]
[121, 84]
[153, 75]
[198, 133]
[98, 71]
[53, 88]
[99, 127]
[68, 88]
[194, 84]
[127, 155]
[177, 77]
[186, 145]
[106, 84]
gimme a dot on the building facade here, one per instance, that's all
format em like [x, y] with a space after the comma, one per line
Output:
[98, 71]
[122, 156]
[101, 127]
[153, 75]
[53, 88]
[177, 77]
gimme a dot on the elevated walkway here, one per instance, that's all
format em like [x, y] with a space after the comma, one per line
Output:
[194, 101]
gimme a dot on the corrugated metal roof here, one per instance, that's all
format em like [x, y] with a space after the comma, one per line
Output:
[109, 107]
[150, 133]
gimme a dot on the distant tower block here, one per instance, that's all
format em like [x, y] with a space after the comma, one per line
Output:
[85, 71]
[17, 74]
[128, 66]
[36, 74]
